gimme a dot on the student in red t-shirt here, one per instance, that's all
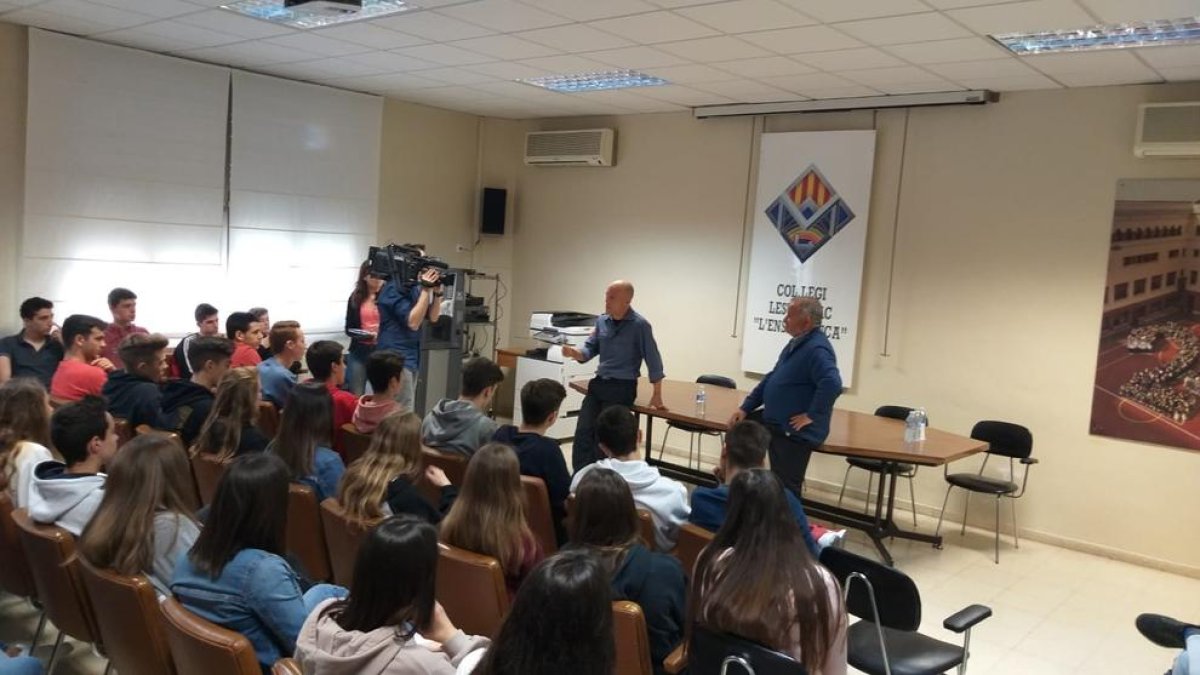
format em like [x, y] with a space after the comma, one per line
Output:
[247, 335]
[325, 362]
[83, 371]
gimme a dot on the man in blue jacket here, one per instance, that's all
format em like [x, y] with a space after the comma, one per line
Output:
[797, 395]
[403, 307]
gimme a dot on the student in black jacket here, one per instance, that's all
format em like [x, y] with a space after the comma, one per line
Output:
[190, 401]
[540, 456]
[383, 482]
[133, 393]
[604, 519]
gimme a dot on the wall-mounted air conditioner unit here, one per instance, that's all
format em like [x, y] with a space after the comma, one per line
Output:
[1168, 130]
[581, 147]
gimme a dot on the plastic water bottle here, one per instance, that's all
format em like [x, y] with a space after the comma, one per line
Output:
[922, 422]
[701, 400]
[911, 427]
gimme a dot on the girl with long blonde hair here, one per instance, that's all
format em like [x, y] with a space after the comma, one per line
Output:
[24, 435]
[489, 515]
[230, 428]
[383, 482]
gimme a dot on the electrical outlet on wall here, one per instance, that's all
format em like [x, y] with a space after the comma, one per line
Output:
[461, 248]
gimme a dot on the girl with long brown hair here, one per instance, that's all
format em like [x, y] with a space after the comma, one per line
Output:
[489, 515]
[24, 435]
[757, 580]
[230, 429]
[144, 521]
[303, 439]
[383, 482]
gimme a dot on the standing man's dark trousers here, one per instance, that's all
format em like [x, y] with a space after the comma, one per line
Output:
[789, 455]
[602, 393]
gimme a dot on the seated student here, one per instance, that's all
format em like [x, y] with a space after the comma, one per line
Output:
[489, 515]
[275, 376]
[67, 493]
[134, 394]
[122, 302]
[745, 448]
[24, 435]
[247, 335]
[303, 440]
[16, 664]
[82, 371]
[36, 350]
[462, 426]
[263, 317]
[757, 580]
[235, 574]
[385, 372]
[188, 402]
[390, 624]
[618, 436]
[560, 622]
[541, 456]
[231, 427]
[144, 521]
[605, 521]
[208, 321]
[383, 482]
[325, 362]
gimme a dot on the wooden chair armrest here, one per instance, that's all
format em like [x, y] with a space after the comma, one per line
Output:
[676, 661]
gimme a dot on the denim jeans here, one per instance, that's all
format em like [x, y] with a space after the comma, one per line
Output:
[356, 373]
[19, 665]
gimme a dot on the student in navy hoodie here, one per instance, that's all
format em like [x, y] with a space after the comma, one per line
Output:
[541, 457]
[189, 401]
[134, 394]
[604, 520]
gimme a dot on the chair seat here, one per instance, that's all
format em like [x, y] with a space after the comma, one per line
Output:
[692, 428]
[876, 465]
[977, 483]
[908, 653]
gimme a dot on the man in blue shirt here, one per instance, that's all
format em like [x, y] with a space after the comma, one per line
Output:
[622, 339]
[275, 376]
[797, 395]
[403, 306]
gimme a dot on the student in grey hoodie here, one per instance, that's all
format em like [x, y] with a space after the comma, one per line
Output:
[390, 624]
[67, 494]
[463, 426]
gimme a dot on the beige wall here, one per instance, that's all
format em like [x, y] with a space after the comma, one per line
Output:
[1003, 226]
[12, 164]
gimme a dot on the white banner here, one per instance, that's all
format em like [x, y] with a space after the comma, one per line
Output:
[810, 233]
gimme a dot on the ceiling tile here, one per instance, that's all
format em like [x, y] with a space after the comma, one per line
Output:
[707, 50]
[58, 22]
[433, 26]
[370, 35]
[394, 82]
[507, 70]
[1170, 57]
[248, 54]
[575, 38]
[742, 16]
[850, 59]
[637, 58]
[520, 91]
[800, 40]
[654, 27]
[1033, 15]
[888, 76]
[1093, 69]
[590, 10]
[458, 76]
[831, 11]
[747, 91]
[316, 45]
[99, 17]
[949, 51]
[686, 96]
[506, 47]
[902, 29]
[1113, 11]
[566, 64]
[688, 74]
[324, 69]
[672, 4]
[161, 9]
[856, 91]
[919, 87]
[505, 16]
[1022, 83]
[807, 82]
[954, 4]
[770, 66]
[177, 36]
[966, 70]
[631, 100]
[446, 55]
[244, 27]
[385, 62]
[1180, 73]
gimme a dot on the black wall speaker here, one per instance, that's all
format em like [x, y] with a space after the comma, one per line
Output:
[494, 202]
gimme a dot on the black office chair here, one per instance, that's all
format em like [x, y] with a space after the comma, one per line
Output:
[877, 466]
[1004, 439]
[712, 653]
[886, 641]
[697, 433]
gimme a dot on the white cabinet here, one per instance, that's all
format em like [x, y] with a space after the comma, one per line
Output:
[529, 369]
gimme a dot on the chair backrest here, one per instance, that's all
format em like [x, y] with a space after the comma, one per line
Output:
[125, 432]
[200, 647]
[1004, 438]
[894, 412]
[354, 443]
[646, 529]
[287, 667]
[15, 576]
[692, 540]
[268, 418]
[305, 536]
[713, 653]
[132, 629]
[471, 589]
[896, 595]
[454, 466]
[717, 381]
[207, 470]
[343, 537]
[633, 642]
[55, 567]
[538, 514]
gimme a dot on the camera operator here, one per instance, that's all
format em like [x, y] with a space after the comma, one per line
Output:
[403, 306]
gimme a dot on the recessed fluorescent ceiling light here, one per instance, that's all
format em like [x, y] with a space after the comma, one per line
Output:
[616, 79]
[318, 13]
[1161, 32]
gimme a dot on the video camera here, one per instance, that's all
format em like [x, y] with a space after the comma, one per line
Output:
[403, 264]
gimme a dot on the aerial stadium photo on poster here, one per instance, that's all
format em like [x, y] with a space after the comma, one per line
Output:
[1147, 385]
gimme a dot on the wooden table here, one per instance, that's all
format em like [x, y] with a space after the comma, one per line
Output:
[851, 434]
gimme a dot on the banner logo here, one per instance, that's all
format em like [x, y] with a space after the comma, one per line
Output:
[809, 213]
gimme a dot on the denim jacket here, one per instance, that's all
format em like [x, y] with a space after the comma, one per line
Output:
[329, 469]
